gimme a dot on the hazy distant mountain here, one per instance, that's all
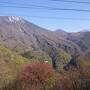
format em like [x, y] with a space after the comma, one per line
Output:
[60, 30]
[22, 36]
[82, 39]
[61, 33]
[85, 30]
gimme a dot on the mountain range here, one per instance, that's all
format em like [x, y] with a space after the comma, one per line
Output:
[23, 36]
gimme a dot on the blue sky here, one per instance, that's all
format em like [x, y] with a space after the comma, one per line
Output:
[52, 24]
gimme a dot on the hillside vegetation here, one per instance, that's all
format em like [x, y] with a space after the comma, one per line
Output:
[10, 63]
[34, 58]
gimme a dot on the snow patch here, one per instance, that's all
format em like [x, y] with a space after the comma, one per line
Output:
[14, 19]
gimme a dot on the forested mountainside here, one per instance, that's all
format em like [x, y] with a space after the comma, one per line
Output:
[22, 36]
[23, 42]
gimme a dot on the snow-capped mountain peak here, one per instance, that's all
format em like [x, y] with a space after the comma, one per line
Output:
[14, 19]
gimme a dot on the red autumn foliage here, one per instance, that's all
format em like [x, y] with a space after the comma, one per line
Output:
[36, 72]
